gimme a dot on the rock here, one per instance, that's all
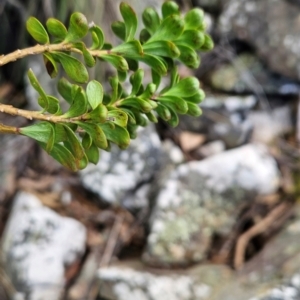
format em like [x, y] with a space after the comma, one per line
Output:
[271, 27]
[245, 73]
[269, 125]
[212, 148]
[132, 281]
[120, 172]
[37, 245]
[13, 153]
[201, 198]
[224, 118]
[273, 274]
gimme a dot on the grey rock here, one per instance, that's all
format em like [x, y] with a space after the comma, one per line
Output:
[224, 118]
[273, 274]
[268, 125]
[134, 282]
[272, 27]
[212, 148]
[37, 245]
[120, 172]
[201, 198]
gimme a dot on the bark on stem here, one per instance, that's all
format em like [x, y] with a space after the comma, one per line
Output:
[36, 115]
[8, 129]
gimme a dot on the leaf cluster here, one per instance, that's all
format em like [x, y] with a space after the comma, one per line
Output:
[95, 117]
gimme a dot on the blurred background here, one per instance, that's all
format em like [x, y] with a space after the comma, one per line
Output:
[208, 210]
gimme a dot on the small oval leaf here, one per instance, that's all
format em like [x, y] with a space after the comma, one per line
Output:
[186, 87]
[56, 28]
[117, 135]
[51, 65]
[97, 36]
[94, 92]
[37, 30]
[73, 67]
[79, 105]
[78, 27]
[130, 20]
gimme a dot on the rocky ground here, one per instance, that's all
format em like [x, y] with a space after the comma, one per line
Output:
[207, 211]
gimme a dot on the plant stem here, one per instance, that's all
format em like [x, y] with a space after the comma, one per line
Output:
[8, 129]
[39, 49]
[36, 115]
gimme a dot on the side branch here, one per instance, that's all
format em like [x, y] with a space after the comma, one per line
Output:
[8, 129]
[38, 49]
[36, 115]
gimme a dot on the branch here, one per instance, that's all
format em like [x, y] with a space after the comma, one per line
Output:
[34, 115]
[39, 49]
[8, 129]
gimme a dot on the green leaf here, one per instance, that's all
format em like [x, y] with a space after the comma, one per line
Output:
[196, 98]
[50, 64]
[37, 30]
[97, 37]
[78, 27]
[170, 8]
[139, 117]
[151, 20]
[132, 64]
[51, 140]
[98, 115]
[62, 155]
[151, 117]
[130, 115]
[191, 38]
[52, 105]
[136, 80]
[169, 30]
[163, 112]
[138, 103]
[56, 28]
[114, 83]
[39, 132]
[189, 57]
[117, 61]
[129, 49]
[162, 48]
[193, 109]
[132, 130]
[118, 117]
[154, 62]
[174, 120]
[93, 154]
[86, 141]
[186, 87]
[36, 85]
[208, 43]
[74, 144]
[119, 29]
[175, 78]
[96, 133]
[144, 35]
[73, 67]
[122, 76]
[88, 57]
[156, 78]
[174, 102]
[194, 19]
[130, 20]
[117, 135]
[148, 93]
[64, 87]
[94, 92]
[79, 105]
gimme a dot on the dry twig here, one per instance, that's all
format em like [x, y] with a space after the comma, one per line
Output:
[259, 228]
